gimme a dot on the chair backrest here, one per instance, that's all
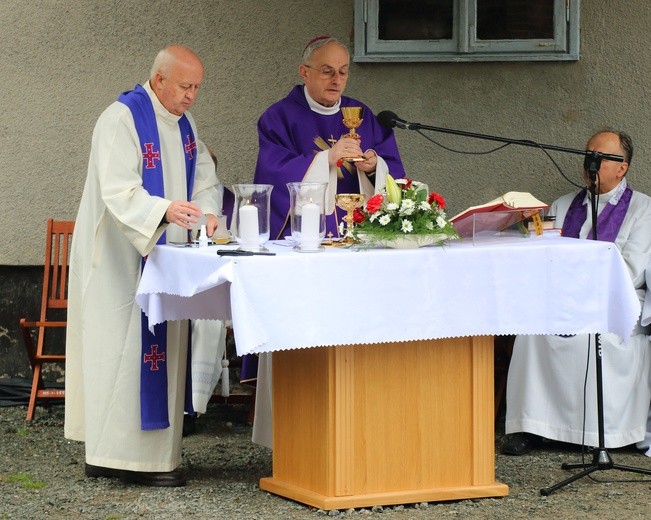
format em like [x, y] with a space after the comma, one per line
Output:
[57, 259]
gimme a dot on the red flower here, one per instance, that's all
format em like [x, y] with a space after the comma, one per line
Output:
[358, 216]
[435, 197]
[374, 203]
[407, 183]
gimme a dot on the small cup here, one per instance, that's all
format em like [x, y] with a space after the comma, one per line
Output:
[221, 235]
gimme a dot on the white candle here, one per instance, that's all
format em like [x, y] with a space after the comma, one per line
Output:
[311, 215]
[249, 230]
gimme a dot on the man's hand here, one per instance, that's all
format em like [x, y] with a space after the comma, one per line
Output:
[211, 224]
[369, 164]
[342, 149]
[183, 213]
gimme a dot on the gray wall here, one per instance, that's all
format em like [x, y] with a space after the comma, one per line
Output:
[64, 61]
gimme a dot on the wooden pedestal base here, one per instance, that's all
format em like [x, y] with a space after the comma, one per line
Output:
[364, 425]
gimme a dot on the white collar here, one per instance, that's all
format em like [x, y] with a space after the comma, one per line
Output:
[611, 196]
[319, 108]
[159, 109]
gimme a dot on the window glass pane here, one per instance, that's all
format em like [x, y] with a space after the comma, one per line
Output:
[515, 19]
[415, 19]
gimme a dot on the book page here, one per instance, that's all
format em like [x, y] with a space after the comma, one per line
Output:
[509, 201]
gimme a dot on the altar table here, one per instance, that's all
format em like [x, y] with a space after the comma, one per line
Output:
[394, 402]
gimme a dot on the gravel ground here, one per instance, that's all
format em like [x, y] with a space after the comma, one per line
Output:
[41, 476]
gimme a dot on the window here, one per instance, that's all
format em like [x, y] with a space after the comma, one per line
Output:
[466, 30]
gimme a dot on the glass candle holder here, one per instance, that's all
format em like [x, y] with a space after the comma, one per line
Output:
[307, 214]
[251, 214]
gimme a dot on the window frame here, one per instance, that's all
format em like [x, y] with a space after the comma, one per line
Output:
[464, 45]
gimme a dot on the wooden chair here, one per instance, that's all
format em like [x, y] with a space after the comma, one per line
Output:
[54, 304]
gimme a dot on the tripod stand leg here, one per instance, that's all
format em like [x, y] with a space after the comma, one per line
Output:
[632, 469]
[549, 490]
[590, 469]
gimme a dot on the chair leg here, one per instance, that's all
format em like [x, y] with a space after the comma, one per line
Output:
[36, 383]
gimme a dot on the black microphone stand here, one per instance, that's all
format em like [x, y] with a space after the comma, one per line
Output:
[601, 459]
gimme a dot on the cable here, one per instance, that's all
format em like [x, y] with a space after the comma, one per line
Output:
[462, 152]
[534, 143]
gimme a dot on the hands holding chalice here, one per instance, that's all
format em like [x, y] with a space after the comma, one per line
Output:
[348, 147]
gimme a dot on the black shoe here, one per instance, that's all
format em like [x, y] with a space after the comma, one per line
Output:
[173, 478]
[520, 443]
[146, 478]
[101, 472]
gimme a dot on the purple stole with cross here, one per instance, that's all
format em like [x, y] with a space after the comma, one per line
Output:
[154, 414]
[610, 219]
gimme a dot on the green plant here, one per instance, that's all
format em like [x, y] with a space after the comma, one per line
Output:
[25, 481]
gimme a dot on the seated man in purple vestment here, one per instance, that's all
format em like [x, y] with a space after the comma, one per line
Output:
[301, 138]
[549, 395]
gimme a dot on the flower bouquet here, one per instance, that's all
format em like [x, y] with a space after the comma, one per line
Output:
[404, 215]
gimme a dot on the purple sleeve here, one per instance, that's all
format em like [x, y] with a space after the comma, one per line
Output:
[280, 160]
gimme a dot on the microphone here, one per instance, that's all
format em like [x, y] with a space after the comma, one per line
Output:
[389, 119]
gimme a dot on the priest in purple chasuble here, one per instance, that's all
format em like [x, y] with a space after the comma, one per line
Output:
[300, 139]
[149, 180]
[545, 390]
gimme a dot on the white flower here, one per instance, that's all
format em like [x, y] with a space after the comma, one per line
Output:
[429, 225]
[406, 226]
[407, 207]
[392, 206]
[424, 205]
[385, 219]
[440, 222]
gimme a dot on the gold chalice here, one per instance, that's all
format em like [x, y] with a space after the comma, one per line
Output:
[352, 119]
[349, 202]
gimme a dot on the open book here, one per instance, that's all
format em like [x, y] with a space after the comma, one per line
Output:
[510, 208]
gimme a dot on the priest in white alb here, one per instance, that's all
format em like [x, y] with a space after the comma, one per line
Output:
[545, 390]
[150, 180]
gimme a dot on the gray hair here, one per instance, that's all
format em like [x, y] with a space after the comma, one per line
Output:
[318, 43]
[162, 63]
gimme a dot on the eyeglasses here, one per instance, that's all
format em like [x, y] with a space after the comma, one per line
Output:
[329, 72]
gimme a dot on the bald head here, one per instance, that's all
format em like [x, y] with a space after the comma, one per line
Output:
[175, 78]
[172, 56]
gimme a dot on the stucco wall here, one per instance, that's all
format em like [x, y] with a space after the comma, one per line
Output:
[64, 61]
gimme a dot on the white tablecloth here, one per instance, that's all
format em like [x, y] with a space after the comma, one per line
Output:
[544, 285]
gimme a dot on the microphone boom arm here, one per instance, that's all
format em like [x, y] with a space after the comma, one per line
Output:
[520, 142]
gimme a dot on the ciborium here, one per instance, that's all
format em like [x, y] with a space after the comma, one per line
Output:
[349, 202]
[352, 120]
